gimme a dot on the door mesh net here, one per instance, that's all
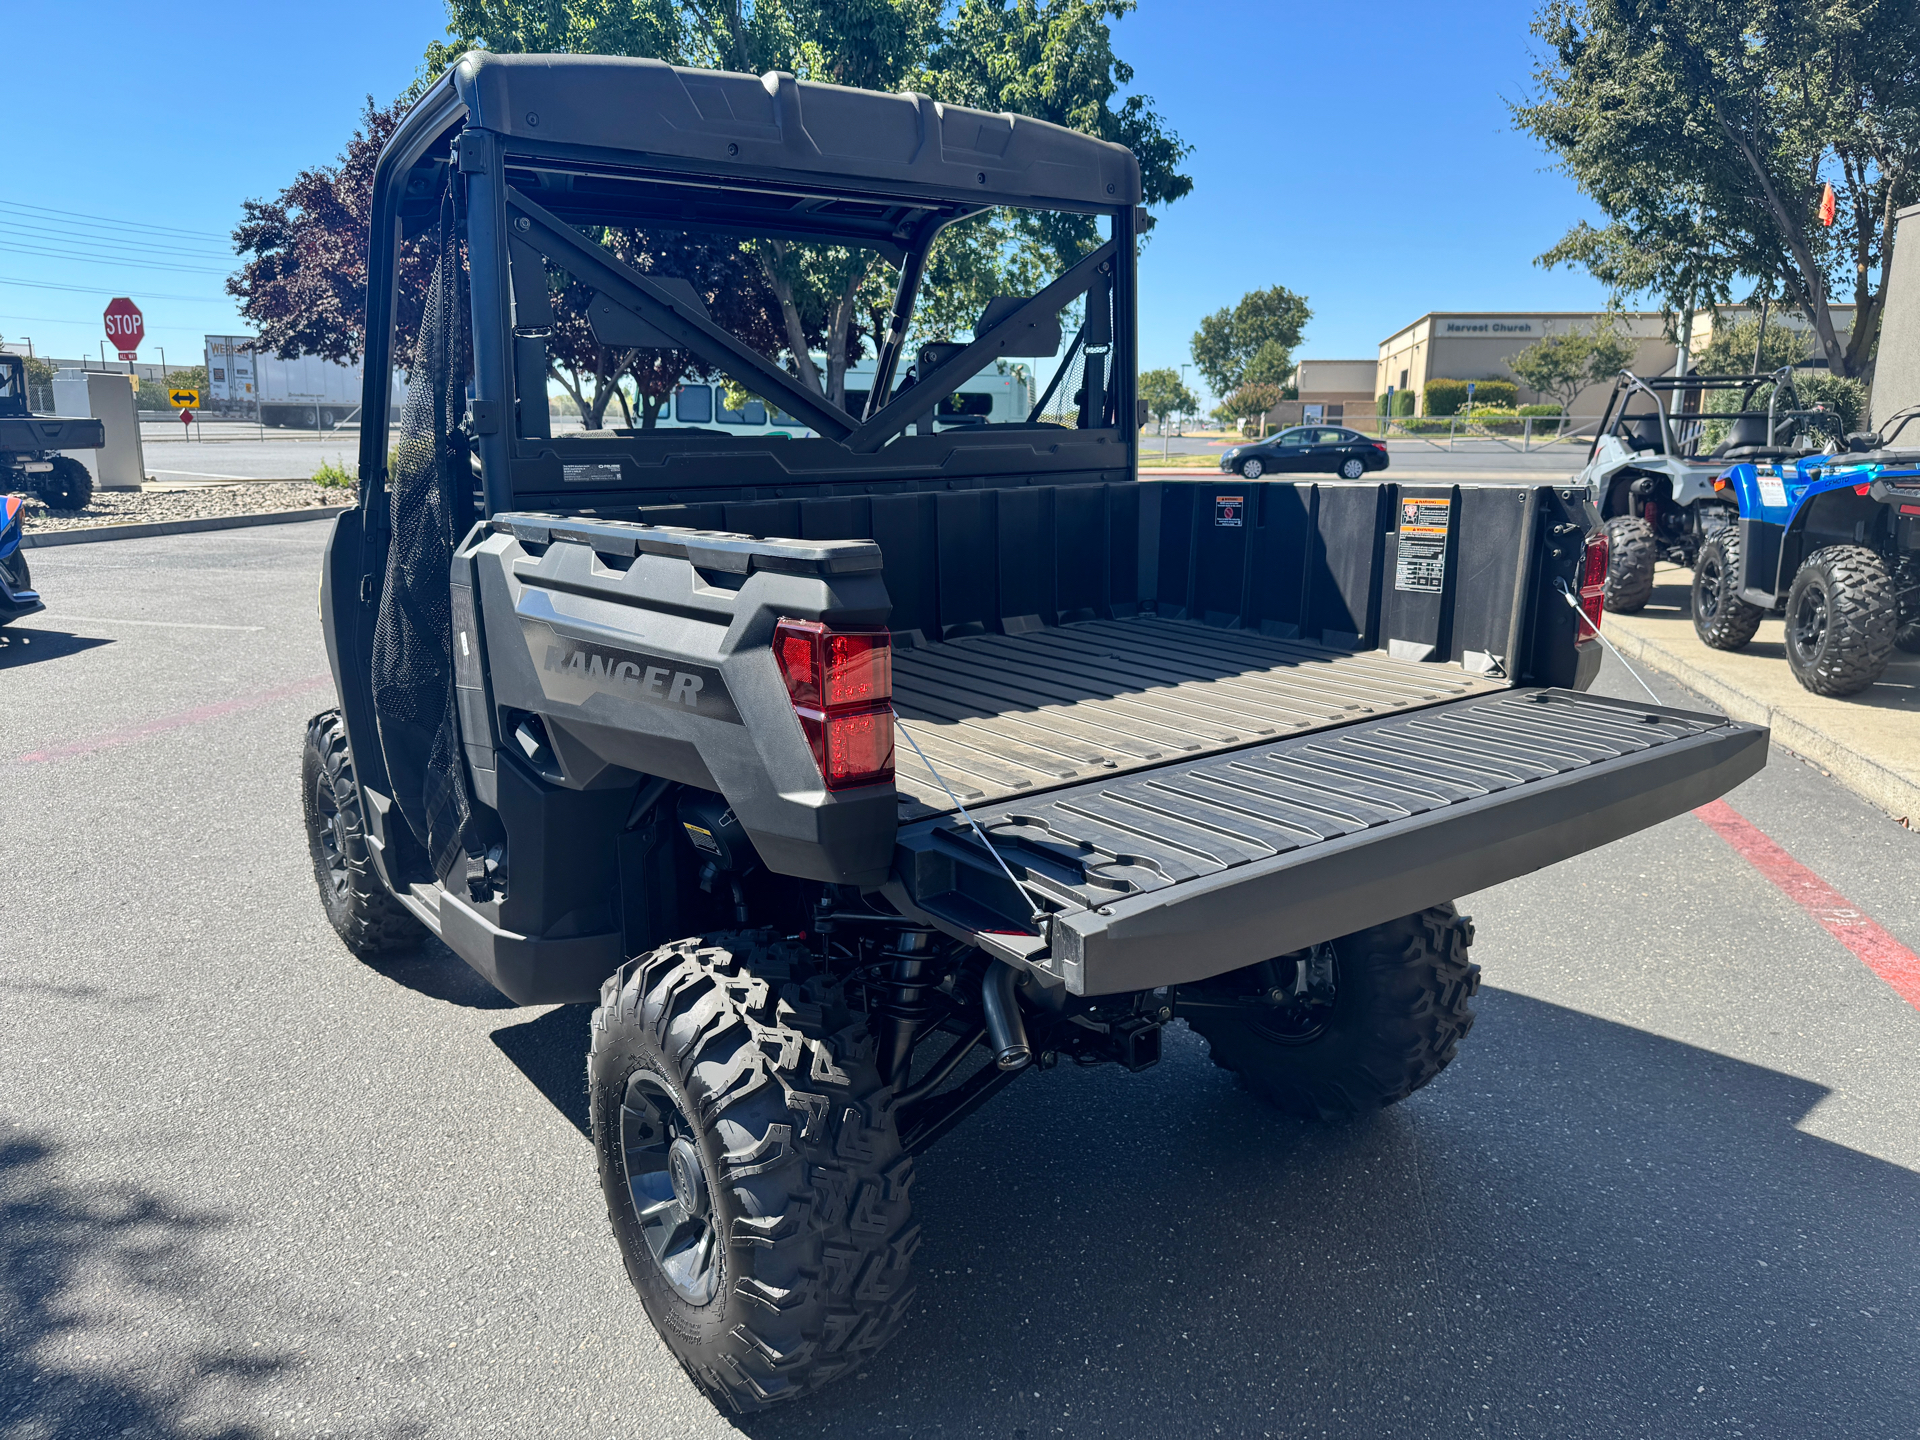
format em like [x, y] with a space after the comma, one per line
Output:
[431, 494]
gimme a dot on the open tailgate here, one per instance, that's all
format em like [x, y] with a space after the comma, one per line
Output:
[1190, 870]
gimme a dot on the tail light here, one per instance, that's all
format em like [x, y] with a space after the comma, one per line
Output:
[841, 683]
[1594, 576]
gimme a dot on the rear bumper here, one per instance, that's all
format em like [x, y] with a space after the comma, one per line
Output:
[1195, 870]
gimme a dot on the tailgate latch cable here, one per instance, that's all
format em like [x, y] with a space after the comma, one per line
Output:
[1568, 596]
[1039, 916]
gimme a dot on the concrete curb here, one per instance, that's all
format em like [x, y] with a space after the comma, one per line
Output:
[33, 540]
[1867, 777]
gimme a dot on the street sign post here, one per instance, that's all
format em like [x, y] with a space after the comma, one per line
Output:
[126, 327]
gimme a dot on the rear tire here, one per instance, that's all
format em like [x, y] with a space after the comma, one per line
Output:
[1398, 1010]
[1631, 556]
[1252, 469]
[1843, 615]
[751, 1167]
[1721, 618]
[68, 486]
[1353, 468]
[357, 902]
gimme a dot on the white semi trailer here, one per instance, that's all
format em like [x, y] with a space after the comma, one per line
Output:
[305, 393]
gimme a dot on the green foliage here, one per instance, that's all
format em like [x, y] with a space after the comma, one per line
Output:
[1842, 394]
[332, 476]
[1446, 397]
[1264, 323]
[1564, 364]
[1730, 351]
[1271, 365]
[1704, 132]
[1403, 401]
[1164, 395]
[1248, 402]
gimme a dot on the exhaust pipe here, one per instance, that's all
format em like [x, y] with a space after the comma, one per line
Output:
[1005, 1034]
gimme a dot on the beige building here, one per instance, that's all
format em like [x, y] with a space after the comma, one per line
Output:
[1334, 391]
[1462, 345]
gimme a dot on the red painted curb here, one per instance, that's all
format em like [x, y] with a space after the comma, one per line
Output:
[1877, 950]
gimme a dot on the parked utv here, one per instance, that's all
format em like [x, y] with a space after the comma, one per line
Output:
[1651, 471]
[30, 444]
[855, 776]
[1830, 540]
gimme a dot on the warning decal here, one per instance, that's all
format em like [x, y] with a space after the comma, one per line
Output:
[1229, 509]
[1421, 562]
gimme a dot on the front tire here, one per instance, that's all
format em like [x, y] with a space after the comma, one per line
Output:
[751, 1167]
[358, 904]
[1842, 620]
[68, 486]
[1721, 618]
[1359, 1023]
[1353, 468]
[1631, 555]
[1252, 468]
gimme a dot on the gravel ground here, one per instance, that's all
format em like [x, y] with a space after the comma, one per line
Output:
[127, 507]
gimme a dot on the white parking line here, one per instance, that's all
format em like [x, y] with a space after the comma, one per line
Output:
[128, 620]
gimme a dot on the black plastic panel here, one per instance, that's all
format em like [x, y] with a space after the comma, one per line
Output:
[1193, 869]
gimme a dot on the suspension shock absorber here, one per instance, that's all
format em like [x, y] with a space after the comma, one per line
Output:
[909, 987]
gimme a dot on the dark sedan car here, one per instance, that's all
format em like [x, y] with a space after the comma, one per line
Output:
[1307, 447]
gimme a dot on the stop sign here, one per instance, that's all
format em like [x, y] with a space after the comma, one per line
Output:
[126, 327]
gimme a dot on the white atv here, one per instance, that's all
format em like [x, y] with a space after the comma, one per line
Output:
[1653, 479]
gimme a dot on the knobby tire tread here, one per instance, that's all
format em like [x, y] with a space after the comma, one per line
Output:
[1864, 616]
[1632, 552]
[806, 1164]
[1734, 621]
[367, 917]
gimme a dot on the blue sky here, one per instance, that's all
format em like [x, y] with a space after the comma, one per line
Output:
[1362, 158]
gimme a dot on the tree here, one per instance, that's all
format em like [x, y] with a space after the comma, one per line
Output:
[1229, 340]
[1562, 365]
[1164, 395]
[304, 287]
[1249, 402]
[1731, 348]
[1705, 132]
[1271, 365]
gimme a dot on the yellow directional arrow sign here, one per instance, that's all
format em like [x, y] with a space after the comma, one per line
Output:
[184, 399]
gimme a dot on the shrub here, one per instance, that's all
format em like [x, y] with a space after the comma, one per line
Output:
[1552, 410]
[1403, 403]
[1446, 397]
[331, 476]
[1845, 397]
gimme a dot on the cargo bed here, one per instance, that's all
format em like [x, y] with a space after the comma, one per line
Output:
[1005, 715]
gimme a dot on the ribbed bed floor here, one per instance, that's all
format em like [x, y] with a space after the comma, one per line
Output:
[1002, 715]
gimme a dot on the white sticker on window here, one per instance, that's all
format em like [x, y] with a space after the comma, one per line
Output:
[599, 473]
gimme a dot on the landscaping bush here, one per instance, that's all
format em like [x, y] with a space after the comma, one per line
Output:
[332, 476]
[1403, 403]
[1446, 397]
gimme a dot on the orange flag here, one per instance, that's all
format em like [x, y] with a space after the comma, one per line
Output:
[1827, 205]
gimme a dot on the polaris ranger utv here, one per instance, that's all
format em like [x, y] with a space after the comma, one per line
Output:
[856, 776]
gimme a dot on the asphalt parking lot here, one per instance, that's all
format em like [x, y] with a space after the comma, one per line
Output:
[251, 1186]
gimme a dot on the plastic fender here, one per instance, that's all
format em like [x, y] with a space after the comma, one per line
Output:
[1688, 483]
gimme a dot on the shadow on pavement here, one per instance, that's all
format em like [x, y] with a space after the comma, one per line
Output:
[73, 1262]
[24, 647]
[437, 973]
[1580, 1229]
[551, 1051]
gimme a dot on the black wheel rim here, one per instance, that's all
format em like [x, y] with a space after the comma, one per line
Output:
[1302, 998]
[1810, 624]
[330, 834]
[667, 1188]
[1710, 585]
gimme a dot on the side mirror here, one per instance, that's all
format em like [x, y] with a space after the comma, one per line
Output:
[1140, 414]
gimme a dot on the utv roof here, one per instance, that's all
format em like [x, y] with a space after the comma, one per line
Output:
[775, 126]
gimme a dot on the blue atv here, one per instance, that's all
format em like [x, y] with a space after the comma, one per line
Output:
[1828, 539]
[17, 595]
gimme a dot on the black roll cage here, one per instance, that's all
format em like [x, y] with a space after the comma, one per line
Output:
[1627, 384]
[439, 143]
